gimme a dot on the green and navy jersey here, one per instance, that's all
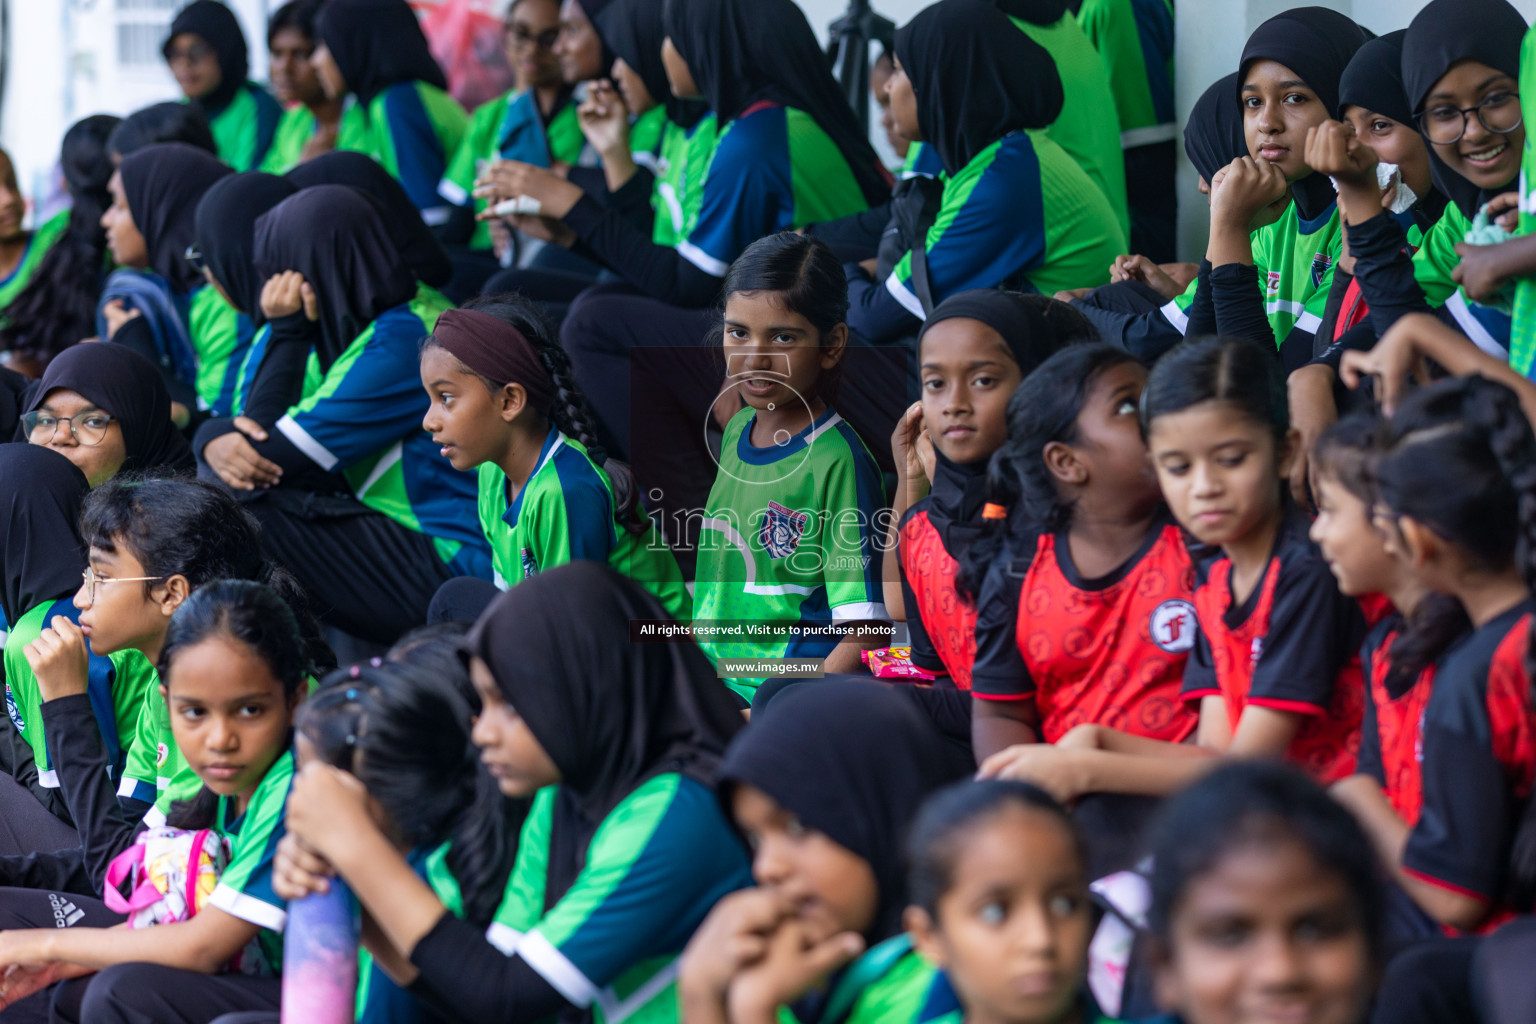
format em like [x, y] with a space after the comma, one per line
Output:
[221, 336]
[414, 129]
[1295, 259]
[790, 538]
[1522, 340]
[773, 169]
[922, 161]
[889, 984]
[245, 888]
[1021, 213]
[255, 352]
[42, 240]
[645, 132]
[1176, 310]
[656, 866]
[153, 759]
[510, 127]
[364, 421]
[243, 131]
[1489, 328]
[1135, 38]
[116, 685]
[564, 513]
[1091, 139]
[297, 126]
[682, 161]
[379, 999]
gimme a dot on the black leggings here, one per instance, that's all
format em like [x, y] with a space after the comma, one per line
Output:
[26, 826]
[40, 908]
[1150, 188]
[364, 572]
[151, 994]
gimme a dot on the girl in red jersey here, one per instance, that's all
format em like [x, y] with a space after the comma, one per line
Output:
[1084, 611]
[1475, 541]
[974, 350]
[1274, 665]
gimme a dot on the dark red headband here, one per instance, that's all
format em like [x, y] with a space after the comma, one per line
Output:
[495, 349]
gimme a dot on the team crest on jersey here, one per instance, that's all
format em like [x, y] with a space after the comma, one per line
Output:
[530, 567]
[781, 530]
[161, 753]
[1320, 264]
[1173, 626]
[12, 710]
[1272, 285]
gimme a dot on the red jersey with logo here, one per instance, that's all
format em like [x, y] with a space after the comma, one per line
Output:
[1107, 651]
[1479, 760]
[1292, 645]
[941, 624]
[1392, 730]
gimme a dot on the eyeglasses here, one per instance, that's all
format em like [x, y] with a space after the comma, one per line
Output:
[1499, 112]
[522, 35]
[192, 54]
[92, 581]
[194, 256]
[89, 428]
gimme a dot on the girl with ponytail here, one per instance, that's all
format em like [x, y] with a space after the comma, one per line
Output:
[1076, 544]
[504, 398]
[402, 730]
[1475, 542]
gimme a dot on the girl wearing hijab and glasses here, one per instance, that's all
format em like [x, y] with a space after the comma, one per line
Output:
[824, 785]
[206, 52]
[535, 122]
[41, 562]
[357, 498]
[375, 50]
[1017, 210]
[170, 315]
[313, 122]
[626, 848]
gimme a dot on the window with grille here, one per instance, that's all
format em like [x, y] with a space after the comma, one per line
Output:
[141, 27]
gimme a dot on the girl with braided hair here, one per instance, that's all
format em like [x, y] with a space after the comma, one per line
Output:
[504, 399]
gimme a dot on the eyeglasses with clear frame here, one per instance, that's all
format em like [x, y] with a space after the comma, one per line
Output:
[92, 581]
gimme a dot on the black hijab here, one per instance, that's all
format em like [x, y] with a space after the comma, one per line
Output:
[376, 43]
[976, 78]
[1317, 44]
[743, 52]
[1374, 81]
[1444, 33]
[334, 237]
[40, 523]
[164, 183]
[220, 29]
[1213, 135]
[416, 242]
[960, 489]
[225, 229]
[1036, 12]
[609, 712]
[14, 388]
[849, 758]
[129, 387]
[632, 29]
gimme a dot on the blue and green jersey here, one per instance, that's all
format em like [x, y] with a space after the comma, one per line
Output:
[564, 513]
[510, 127]
[1294, 258]
[245, 888]
[221, 336]
[656, 866]
[773, 169]
[298, 126]
[682, 163]
[1135, 38]
[243, 131]
[789, 538]
[1491, 329]
[364, 421]
[42, 240]
[413, 130]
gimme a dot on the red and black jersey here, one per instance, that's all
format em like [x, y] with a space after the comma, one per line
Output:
[941, 624]
[1107, 651]
[1479, 760]
[1292, 645]
[1392, 730]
